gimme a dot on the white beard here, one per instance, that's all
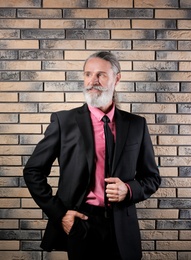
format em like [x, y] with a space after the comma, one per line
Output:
[100, 99]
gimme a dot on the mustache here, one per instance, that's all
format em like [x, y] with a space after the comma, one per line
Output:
[95, 87]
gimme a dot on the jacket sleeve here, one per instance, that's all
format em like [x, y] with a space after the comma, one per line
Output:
[38, 168]
[147, 179]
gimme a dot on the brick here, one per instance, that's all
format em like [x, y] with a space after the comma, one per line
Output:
[147, 224]
[11, 171]
[167, 150]
[179, 55]
[163, 129]
[165, 193]
[185, 213]
[160, 234]
[65, 65]
[74, 97]
[87, 34]
[34, 118]
[130, 13]
[51, 107]
[154, 108]
[9, 203]
[132, 34]
[21, 86]
[20, 254]
[32, 139]
[9, 223]
[159, 255]
[183, 192]
[151, 203]
[8, 139]
[178, 14]
[157, 213]
[11, 107]
[62, 44]
[110, 44]
[153, 24]
[9, 245]
[174, 97]
[85, 13]
[154, 45]
[16, 150]
[8, 97]
[56, 255]
[185, 108]
[22, 3]
[107, 24]
[43, 34]
[125, 86]
[9, 34]
[15, 234]
[21, 213]
[41, 97]
[39, 13]
[185, 4]
[19, 44]
[60, 23]
[157, 87]
[64, 3]
[184, 171]
[9, 75]
[134, 55]
[10, 160]
[148, 245]
[63, 86]
[173, 245]
[185, 129]
[41, 55]
[174, 34]
[178, 119]
[155, 65]
[43, 75]
[175, 140]
[184, 151]
[11, 182]
[19, 23]
[184, 24]
[136, 97]
[168, 171]
[7, 13]
[8, 55]
[29, 224]
[184, 66]
[175, 161]
[20, 65]
[110, 4]
[185, 235]
[174, 203]
[29, 203]
[151, 4]
[24, 128]
[171, 76]
[185, 87]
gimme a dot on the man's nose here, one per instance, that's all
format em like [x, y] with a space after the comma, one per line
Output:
[94, 80]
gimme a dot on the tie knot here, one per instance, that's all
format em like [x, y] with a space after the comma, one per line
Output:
[105, 119]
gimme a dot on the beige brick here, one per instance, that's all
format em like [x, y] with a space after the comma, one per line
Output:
[185, 234]
[35, 224]
[24, 213]
[168, 171]
[64, 65]
[9, 245]
[184, 24]
[19, 44]
[157, 213]
[138, 76]
[154, 4]
[60, 24]
[169, 13]
[21, 3]
[11, 171]
[149, 24]
[30, 139]
[62, 4]
[8, 203]
[77, 55]
[16, 107]
[128, 34]
[160, 234]
[136, 97]
[173, 35]
[112, 3]
[20, 65]
[16, 149]
[8, 97]
[135, 55]
[43, 75]
[165, 193]
[175, 140]
[178, 76]
[108, 24]
[9, 223]
[53, 107]
[29, 203]
[14, 193]
[56, 255]
[165, 150]
[18, 129]
[173, 245]
[175, 161]
[9, 118]
[63, 44]
[19, 23]
[146, 224]
[74, 97]
[184, 192]
[10, 160]
[35, 118]
[9, 139]
[185, 66]
[175, 97]
[150, 203]
[178, 55]
[148, 255]
[41, 97]
[20, 86]
[153, 45]
[178, 119]
[154, 108]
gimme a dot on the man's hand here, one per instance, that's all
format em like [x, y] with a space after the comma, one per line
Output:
[116, 190]
[68, 219]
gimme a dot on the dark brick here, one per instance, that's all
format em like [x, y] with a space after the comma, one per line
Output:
[130, 13]
[185, 87]
[184, 108]
[42, 34]
[8, 55]
[31, 245]
[185, 214]
[87, 34]
[157, 87]
[174, 203]
[19, 234]
[63, 86]
[41, 55]
[184, 171]
[9, 76]
[173, 224]
[7, 13]
[43, 13]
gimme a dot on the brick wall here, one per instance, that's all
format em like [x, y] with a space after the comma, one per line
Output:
[43, 44]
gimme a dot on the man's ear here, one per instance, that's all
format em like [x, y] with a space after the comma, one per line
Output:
[118, 77]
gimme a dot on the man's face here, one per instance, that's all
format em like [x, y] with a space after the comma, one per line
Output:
[99, 82]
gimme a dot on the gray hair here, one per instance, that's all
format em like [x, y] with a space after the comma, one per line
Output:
[108, 56]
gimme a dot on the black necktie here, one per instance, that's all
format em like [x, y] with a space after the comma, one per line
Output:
[109, 148]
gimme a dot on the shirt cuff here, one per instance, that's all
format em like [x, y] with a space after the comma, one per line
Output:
[129, 194]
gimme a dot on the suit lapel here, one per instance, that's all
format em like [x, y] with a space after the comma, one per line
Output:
[122, 126]
[84, 122]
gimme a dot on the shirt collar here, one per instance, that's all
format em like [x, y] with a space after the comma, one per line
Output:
[99, 114]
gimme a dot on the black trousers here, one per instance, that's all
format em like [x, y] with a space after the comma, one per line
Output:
[93, 239]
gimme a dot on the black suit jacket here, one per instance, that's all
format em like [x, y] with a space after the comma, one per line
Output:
[69, 138]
